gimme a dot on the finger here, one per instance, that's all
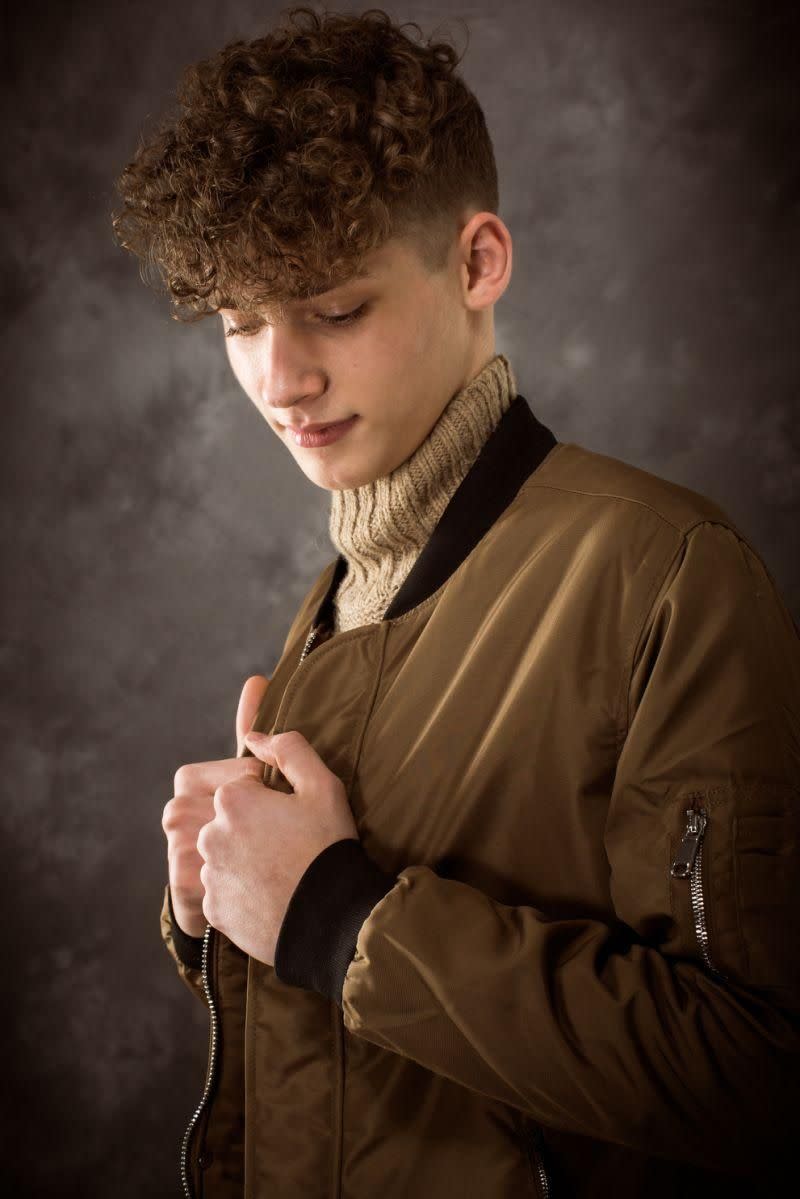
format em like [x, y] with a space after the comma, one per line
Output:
[296, 758]
[253, 692]
[199, 779]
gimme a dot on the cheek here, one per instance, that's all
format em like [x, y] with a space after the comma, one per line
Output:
[396, 349]
[232, 357]
[235, 360]
[243, 371]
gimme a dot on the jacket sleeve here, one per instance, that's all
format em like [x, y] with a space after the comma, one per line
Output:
[186, 951]
[676, 1030]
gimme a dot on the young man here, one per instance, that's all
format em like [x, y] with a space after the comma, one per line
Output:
[506, 903]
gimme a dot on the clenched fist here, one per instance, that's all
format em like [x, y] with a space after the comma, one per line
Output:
[192, 806]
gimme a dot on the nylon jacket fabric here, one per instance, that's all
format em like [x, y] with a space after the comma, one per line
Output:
[511, 992]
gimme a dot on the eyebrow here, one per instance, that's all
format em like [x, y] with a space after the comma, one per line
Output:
[363, 274]
[255, 318]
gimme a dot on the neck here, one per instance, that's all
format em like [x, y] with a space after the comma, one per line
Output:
[381, 526]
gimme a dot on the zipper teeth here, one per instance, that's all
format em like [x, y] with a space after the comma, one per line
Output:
[697, 896]
[699, 909]
[212, 1059]
[544, 1181]
[212, 1056]
[307, 645]
[535, 1159]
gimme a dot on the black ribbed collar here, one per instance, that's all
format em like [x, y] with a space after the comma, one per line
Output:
[511, 452]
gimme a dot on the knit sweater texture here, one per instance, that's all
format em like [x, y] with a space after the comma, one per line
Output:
[381, 526]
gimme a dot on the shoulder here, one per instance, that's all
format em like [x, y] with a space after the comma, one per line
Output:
[597, 484]
[626, 528]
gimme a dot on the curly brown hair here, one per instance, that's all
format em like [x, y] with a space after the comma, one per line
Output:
[292, 156]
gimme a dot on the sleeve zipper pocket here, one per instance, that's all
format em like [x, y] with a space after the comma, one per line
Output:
[688, 864]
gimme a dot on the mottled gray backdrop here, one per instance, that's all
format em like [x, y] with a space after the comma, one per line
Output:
[158, 537]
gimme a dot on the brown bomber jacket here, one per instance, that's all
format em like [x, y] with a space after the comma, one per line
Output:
[562, 960]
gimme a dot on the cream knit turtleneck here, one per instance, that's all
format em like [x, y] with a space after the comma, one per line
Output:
[381, 526]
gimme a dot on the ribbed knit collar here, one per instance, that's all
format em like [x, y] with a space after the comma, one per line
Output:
[381, 526]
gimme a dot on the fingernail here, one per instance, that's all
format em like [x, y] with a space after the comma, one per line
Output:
[260, 738]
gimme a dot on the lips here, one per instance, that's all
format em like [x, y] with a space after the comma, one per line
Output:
[314, 438]
[316, 428]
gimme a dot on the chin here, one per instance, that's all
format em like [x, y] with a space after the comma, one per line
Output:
[340, 478]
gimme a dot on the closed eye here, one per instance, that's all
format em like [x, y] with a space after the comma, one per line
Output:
[346, 318]
[241, 330]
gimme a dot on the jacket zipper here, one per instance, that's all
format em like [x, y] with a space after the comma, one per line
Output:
[532, 1139]
[309, 641]
[541, 1173]
[212, 1061]
[212, 1009]
[688, 863]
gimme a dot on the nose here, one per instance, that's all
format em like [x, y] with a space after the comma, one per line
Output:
[285, 376]
[287, 398]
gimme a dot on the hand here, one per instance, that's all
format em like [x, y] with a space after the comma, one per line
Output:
[192, 806]
[260, 841]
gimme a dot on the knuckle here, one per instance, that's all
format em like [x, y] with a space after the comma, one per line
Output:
[174, 816]
[168, 816]
[224, 795]
[289, 736]
[182, 781]
[201, 843]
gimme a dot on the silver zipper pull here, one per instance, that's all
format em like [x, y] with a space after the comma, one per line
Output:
[687, 850]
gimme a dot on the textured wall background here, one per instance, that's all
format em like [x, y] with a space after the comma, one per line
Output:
[158, 538]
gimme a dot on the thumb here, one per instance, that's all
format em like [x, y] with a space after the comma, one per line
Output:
[253, 692]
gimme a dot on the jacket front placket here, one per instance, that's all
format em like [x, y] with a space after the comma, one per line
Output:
[328, 699]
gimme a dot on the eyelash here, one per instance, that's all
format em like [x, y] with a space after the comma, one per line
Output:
[347, 318]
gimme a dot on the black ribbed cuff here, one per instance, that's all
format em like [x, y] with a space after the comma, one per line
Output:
[189, 949]
[333, 898]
